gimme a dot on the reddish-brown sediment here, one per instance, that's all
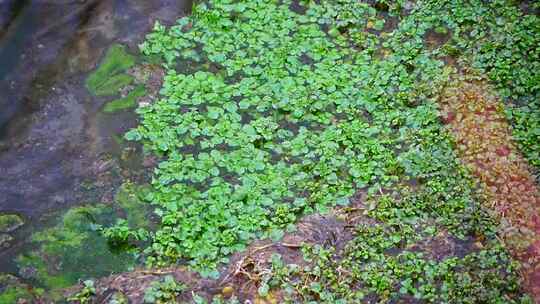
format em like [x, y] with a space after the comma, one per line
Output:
[475, 117]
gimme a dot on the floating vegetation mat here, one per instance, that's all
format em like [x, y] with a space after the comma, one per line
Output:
[273, 110]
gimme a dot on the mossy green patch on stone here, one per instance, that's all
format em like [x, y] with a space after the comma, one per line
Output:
[130, 101]
[74, 249]
[12, 290]
[14, 294]
[113, 85]
[110, 77]
[136, 210]
[10, 222]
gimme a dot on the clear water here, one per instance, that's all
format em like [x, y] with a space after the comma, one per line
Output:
[54, 141]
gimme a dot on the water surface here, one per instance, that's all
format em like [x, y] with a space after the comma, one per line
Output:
[57, 149]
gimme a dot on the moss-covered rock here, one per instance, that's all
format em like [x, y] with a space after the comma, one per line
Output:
[10, 222]
[12, 290]
[110, 76]
[136, 210]
[74, 249]
[130, 101]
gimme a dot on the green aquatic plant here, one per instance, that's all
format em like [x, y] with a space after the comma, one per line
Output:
[128, 102]
[163, 291]
[130, 199]
[229, 190]
[291, 113]
[73, 249]
[501, 41]
[130, 229]
[121, 234]
[366, 269]
[85, 295]
[110, 75]
[526, 130]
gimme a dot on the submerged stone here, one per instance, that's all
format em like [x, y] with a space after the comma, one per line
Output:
[10, 222]
[110, 76]
[74, 249]
[5, 239]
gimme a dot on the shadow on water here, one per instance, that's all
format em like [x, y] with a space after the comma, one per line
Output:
[13, 37]
[54, 140]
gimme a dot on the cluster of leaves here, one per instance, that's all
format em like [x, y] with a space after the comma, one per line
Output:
[404, 251]
[85, 295]
[526, 130]
[285, 115]
[122, 234]
[291, 122]
[376, 267]
[163, 291]
[130, 231]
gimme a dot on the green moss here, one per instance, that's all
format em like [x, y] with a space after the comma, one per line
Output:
[127, 102]
[10, 222]
[113, 85]
[11, 290]
[110, 77]
[128, 197]
[73, 249]
[13, 294]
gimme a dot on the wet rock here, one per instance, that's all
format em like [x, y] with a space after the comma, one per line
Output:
[10, 222]
[28, 272]
[102, 165]
[58, 199]
[4, 146]
[5, 239]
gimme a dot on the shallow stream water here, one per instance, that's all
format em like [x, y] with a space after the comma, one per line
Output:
[57, 148]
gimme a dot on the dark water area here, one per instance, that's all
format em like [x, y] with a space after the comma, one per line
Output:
[57, 148]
